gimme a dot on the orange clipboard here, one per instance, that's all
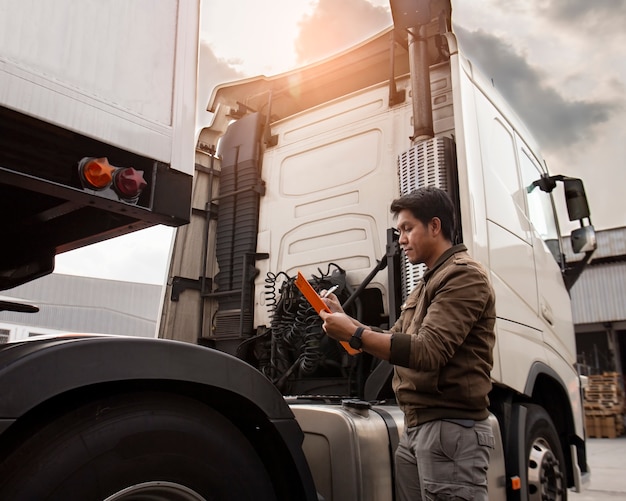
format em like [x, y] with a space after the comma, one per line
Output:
[318, 305]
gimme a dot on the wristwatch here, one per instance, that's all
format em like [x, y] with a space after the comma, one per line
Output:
[355, 341]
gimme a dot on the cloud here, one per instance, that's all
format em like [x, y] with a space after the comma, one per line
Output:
[216, 69]
[336, 25]
[555, 121]
[557, 118]
[211, 72]
[596, 16]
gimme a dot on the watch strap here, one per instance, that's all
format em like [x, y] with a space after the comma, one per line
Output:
[355, 341]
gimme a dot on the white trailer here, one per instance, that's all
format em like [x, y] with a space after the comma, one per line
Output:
[79, 80]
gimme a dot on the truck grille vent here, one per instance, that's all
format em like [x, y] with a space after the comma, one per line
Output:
[428, 163]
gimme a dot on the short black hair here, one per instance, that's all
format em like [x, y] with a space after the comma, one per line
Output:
[427, 203]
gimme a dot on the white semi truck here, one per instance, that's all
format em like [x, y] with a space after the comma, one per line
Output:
[246, 398]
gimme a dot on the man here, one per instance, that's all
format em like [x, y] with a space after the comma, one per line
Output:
[442, 350]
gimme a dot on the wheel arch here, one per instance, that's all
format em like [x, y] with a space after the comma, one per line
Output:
[547, 389]
[48, 376]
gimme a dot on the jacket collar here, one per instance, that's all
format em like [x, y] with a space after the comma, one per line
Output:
[443, 258]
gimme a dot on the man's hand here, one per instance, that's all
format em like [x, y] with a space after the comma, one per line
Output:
[338, 325]
[341, 327]
[331, 301]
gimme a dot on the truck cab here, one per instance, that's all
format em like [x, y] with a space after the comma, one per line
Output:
[300, 170]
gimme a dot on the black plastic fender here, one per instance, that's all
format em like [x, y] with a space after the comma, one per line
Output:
[34, 371]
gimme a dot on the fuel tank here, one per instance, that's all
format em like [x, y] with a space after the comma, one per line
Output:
[349, 446]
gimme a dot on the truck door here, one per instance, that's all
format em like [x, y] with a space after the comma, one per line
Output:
[553, 300]
[511, 254]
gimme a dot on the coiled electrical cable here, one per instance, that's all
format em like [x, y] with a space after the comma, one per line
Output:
[298, 346]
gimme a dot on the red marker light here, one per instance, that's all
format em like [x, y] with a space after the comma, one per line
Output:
[96, 173]
[129, 183]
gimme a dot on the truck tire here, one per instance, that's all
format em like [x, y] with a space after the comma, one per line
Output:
[137, 446]
[546, 463]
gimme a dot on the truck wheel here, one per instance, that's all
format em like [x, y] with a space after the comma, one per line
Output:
[137, 446]
[546, 463]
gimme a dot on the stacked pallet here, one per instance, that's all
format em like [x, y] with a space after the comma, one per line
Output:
[604, 406]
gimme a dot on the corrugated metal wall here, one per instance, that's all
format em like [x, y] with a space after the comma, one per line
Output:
[600, 294]
[611, 243]
[83, 304]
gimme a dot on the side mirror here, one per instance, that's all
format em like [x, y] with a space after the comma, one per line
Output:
[576, 199]
[583, 239]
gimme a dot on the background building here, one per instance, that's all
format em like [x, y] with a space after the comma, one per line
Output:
[599, 307]
[70, 303]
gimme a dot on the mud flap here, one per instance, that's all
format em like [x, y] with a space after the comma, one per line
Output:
[515, 455]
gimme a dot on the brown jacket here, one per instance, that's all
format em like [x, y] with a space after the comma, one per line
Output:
[442, 344]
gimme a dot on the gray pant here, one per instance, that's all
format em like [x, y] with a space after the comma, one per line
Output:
[444, 460]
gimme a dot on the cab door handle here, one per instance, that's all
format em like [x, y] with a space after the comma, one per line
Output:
[546, 312]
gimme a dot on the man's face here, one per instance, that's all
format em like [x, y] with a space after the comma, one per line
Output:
[416, 239]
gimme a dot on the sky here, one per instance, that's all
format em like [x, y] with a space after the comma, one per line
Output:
[561, 63]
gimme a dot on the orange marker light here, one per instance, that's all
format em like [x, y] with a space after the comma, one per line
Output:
[516, 483]
[96, 173]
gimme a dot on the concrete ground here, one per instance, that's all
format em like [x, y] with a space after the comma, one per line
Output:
[607, 461]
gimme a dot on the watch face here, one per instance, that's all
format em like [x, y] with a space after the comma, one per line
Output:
[355, 342]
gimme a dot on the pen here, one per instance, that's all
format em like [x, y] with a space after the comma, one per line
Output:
[331, 290]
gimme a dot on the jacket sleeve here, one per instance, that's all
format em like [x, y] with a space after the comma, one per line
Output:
[458, 301]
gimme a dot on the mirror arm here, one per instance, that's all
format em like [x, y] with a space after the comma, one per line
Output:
[573, 270]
